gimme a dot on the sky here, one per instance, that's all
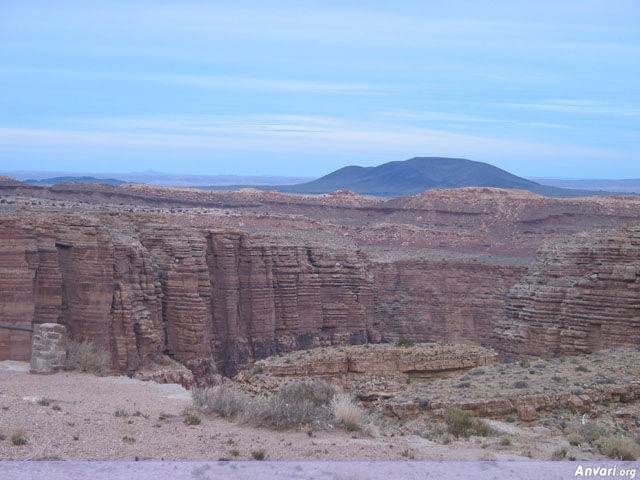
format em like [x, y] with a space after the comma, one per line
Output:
[301, 88]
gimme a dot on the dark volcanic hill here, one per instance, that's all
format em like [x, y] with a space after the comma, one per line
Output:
[423, 173]
[416, 175]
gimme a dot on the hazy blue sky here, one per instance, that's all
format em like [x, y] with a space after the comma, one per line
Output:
[540, 88]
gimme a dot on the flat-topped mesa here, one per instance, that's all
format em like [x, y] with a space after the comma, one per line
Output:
[421, 361]
[581, 295]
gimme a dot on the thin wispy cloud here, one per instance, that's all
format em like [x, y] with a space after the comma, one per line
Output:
[590, 107]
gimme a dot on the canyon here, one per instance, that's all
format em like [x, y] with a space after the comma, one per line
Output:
[217, 280]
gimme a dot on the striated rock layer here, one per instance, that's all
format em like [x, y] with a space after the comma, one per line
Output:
[581, 294]
[215, 299]
[210, 299]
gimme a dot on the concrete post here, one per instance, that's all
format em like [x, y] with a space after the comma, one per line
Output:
[48, 343]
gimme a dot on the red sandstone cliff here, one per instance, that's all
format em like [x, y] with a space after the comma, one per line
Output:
[581, 294]
[217, 298]
[211, 299]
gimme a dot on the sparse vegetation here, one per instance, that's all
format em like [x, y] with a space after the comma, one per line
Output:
[463, 424]
[405, 342]
[86, 357]
[19, 437]
[258, 454]
[296, 404]
[619, 448]
[127, 439]
[191, 419]
[223, 399]
[560, 453]
[520, 384]
[44, 402]
[120, 413]
[346, 412]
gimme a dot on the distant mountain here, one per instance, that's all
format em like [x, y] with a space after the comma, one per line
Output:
[53, 181]
[416, 175]
[628, 185]
[152, 177]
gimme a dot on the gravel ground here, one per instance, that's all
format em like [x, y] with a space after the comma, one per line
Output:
[80, 423]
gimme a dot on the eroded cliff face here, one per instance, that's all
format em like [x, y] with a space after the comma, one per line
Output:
[211, 299]
[215, 299]
[581, 294]
[452, 301]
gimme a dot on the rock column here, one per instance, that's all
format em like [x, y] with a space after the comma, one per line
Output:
[48, 348]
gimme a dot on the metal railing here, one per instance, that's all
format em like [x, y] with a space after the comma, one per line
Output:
[13, 327]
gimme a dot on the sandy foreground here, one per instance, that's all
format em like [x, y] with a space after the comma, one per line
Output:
[117, 418]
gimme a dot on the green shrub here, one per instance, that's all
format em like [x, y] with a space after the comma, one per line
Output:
[405, 342]
[462, 424]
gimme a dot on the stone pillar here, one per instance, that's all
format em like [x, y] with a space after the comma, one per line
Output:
[48, 343]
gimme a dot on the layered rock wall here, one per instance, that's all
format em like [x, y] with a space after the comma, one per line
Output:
[211, 299]
[581, 294]
[458, 302]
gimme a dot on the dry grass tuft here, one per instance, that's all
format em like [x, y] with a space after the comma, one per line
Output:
[346, 412]
[619, 448]
[223, 399]
[86, 357]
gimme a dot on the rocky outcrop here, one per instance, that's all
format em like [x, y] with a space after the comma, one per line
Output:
[580, 295]
[526, 406]
[420, 361]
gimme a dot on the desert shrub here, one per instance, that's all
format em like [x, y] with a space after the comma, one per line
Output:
[619, 448]
[462, 424]
[576, 439]
[258, 454]
[520, 384]
[560, 453]
[224, 400]
[44, 402]
[85, 357]
[191, 419]
[19, 437]
[592, 431]
[294, 405]
[346, 412]
[477, 371]
[505, 440]
[317, 392]
[582, 368]
[405, 342]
